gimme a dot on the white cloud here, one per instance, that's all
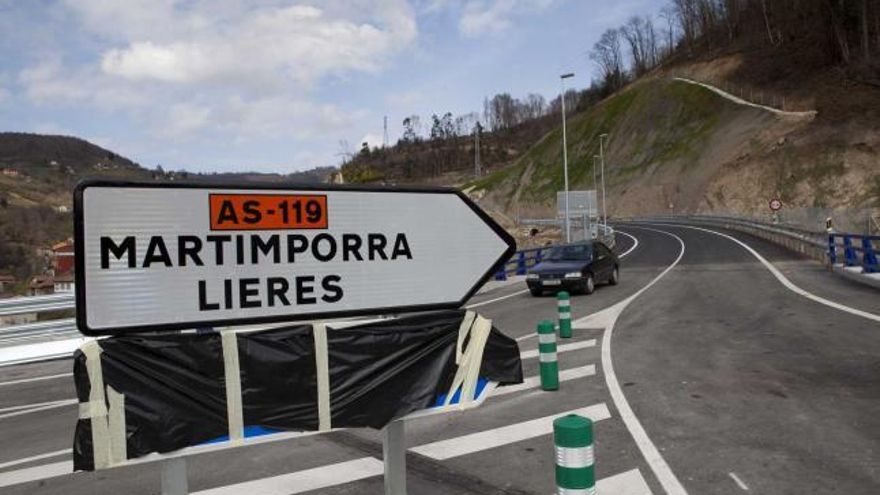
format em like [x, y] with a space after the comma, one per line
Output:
[4, 95]
[268, 44]
[222, 69]
[372, 140]
[280, 116]
[184, 119]
[49, 81]
[495, 16]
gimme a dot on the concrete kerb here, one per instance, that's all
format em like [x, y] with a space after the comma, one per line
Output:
[855, 274]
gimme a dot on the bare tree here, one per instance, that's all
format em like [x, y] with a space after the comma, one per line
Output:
[686, 11]
[535, 106]
[607, 54]
[668, 14]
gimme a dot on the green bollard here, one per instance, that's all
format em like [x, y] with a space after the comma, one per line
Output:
[573, 439]
[564, 304]
[547, 356]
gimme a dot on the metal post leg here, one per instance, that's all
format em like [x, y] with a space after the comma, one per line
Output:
[394, 454]
[174, 477]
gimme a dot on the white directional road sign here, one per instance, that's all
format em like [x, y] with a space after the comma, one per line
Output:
[153, 256]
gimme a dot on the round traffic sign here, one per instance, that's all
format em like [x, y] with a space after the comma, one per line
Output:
[775, 204]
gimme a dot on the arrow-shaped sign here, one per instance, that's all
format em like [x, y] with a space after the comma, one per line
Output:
[153, 256]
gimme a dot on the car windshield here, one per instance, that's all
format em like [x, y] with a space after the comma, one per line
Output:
[577, 252]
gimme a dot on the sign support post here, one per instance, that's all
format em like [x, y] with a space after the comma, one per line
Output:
[394, 457]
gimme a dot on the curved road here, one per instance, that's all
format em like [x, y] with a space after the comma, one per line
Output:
[737, 384]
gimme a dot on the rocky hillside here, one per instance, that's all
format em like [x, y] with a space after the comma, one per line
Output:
[677, 144]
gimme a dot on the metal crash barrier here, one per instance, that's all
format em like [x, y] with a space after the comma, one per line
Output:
[521, 261]
[858, 250]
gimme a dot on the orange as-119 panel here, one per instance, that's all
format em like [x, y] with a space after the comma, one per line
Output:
[268, 211]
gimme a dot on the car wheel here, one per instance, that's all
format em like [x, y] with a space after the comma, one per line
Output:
[589, 284]
[615, 276]
[536, 292]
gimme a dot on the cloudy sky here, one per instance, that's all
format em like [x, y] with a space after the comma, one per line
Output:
[275, 85]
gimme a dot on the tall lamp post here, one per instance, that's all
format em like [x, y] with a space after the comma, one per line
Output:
[596, 187]
[602, 161]
[562, 79]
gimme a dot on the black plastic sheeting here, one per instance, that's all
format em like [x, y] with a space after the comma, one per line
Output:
[175, 393]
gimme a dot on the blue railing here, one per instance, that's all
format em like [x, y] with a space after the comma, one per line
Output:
[864, 255]
[520, 262]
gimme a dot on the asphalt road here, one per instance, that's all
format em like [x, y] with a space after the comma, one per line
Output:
[737, 383]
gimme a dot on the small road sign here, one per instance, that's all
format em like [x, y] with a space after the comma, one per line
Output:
[156, 256]
[775, 204]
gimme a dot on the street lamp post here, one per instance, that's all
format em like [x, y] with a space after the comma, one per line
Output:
[596, 187]
[602, 161]
[562, 79]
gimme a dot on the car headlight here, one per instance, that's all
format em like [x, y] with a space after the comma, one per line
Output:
[573, 275]
[532, 276]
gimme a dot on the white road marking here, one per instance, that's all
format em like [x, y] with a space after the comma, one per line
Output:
[36, 473]
[39, 407]
[634, 246]
[784, 280]
[505, 435]
[26, 406]
[490, 301]
[738, 481]
[533, 353]
[535, 381]
[38, 457]
[628, 483]
[649, 451]
[36, 379]
[306, 480]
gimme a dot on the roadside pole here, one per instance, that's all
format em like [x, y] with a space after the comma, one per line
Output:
[573, 439]
[547, 356]
[564, 304]
[602, 161]
[394, 455]
[565, 158]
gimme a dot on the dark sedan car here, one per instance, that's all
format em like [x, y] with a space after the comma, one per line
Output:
[574, 267]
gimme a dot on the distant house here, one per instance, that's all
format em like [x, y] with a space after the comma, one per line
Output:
[63, 266]
[63, 256]
[10, 172]
[64, 283]
[41, 285]
[6, 283]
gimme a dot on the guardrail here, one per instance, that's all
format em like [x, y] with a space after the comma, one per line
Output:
[822, 246]
[520, 263]
[37, 304]
[868, 258]
[32, 331]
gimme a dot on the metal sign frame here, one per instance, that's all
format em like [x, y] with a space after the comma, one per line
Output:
[82, 283]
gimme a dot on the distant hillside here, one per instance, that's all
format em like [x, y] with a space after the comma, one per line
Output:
[37, 175]
[680, 145]
[39, 170]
